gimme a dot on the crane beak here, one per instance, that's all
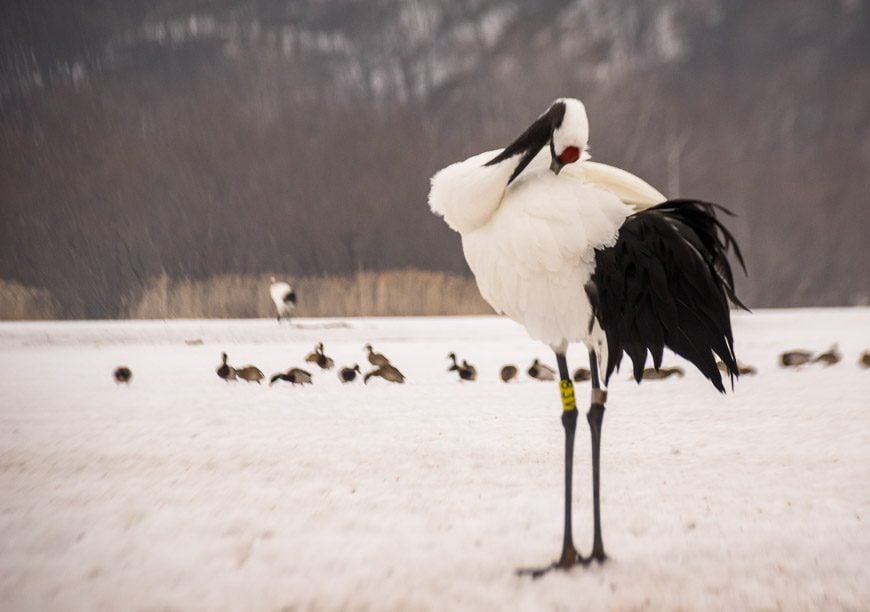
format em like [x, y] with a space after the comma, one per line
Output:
[556, 165]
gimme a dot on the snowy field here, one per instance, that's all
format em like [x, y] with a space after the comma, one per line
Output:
[183, 492]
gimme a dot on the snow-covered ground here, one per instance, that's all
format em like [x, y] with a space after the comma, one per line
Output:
[184, 492]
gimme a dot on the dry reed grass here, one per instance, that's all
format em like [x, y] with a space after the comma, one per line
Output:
[20, 303]
[388, 293]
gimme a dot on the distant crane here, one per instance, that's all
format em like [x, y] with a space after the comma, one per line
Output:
[284, 298]
[583, 252]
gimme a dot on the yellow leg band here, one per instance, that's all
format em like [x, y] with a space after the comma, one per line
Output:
[566, 387]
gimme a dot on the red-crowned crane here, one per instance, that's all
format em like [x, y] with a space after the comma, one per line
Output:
[284, 298]
[578, 251]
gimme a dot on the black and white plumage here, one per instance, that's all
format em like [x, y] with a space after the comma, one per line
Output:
[666, 282]
[283, 297]
[578, 251]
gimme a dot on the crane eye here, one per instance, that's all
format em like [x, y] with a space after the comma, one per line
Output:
[569, 155]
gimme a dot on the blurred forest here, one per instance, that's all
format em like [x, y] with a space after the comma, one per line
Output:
[187, 139]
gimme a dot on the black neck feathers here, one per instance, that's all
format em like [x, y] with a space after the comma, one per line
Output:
[530, 142]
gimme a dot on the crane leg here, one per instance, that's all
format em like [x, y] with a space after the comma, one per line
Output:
[595, 417]
[569, 556]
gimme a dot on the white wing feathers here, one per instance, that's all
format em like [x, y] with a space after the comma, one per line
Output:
[531, 245]
[629, 188]
[468, 192]
[533, 258]
[278, 291]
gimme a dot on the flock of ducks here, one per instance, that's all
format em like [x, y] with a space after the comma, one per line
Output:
[543, 372]
[382, 368]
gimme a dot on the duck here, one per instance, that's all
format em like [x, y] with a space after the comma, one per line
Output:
[226, 371]
[582, 375]
[123, 374]
[829, 357]
[540, 371]
[376, 359]
[348, 374]
[466, 371]
[661, 373]
[313, 355]
[387, 372]
[742, 368]
[319, 357]
[508, 373]
[795, 358]
[250, 373]
[295, 376]
[864, 359]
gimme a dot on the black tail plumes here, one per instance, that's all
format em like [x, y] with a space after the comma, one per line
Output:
[667, 282]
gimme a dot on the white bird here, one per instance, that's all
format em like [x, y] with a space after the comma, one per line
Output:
[583, 252]
[284, 297]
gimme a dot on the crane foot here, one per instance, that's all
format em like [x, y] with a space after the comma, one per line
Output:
[569, 559]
